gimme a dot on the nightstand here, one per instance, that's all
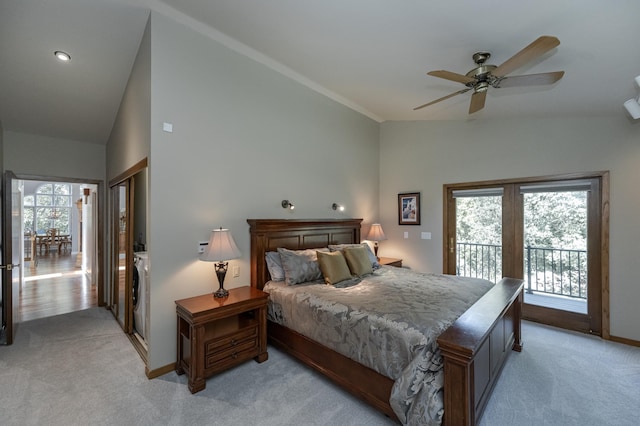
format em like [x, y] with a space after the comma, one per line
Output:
[390, 261]
[215, 334]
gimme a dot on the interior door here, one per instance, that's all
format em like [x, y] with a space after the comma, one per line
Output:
[11, 255]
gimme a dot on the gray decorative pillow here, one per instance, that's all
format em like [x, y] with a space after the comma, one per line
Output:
[300, 266]
[274, 265]
[372, 257]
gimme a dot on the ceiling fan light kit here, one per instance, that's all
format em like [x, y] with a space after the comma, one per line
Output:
[484, 75]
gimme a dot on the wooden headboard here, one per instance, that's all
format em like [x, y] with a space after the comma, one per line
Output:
[295, 234]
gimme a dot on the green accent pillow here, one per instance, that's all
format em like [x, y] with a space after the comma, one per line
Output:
[358, 260]
[333, 266]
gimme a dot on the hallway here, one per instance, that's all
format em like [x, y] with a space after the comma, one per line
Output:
[55, 287]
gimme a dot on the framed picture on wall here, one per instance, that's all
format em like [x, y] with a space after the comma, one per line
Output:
[409, 208]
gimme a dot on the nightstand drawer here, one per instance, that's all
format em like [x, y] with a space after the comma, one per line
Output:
[231, 340]
[242, 350]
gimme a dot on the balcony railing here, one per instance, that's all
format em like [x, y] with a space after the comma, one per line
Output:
[547, 270]
[479, 261]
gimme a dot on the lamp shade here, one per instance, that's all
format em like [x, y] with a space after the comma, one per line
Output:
[376, 233]
[633, 108]
[221, 247]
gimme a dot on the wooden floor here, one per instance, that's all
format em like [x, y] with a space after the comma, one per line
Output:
[55, 287]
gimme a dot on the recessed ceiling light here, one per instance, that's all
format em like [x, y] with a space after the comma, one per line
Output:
[63, 56]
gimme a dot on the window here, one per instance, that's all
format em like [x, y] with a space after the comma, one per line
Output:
[49, 207]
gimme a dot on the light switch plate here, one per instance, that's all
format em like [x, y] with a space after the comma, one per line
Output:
[425, 235]
[406, 235]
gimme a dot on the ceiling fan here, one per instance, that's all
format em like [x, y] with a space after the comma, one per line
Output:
[484, 75]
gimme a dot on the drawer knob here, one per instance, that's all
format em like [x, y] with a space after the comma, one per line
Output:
[234, 355]
[234, 342]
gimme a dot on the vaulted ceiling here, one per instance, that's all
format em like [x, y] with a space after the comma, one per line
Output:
[372, 55]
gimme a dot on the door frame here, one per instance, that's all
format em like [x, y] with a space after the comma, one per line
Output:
[125, 178]
[99, 225]
[599, 322]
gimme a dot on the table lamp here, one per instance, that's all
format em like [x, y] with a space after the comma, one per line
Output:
[376, 234]
[221, 248]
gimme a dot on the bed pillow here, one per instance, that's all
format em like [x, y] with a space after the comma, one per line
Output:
[274, 265]
[333, 267]
[372, 257]
[358, 260]
[300, 265]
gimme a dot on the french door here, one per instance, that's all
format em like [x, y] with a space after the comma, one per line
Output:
[549, 231]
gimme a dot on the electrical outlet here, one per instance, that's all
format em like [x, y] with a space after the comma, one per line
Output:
[236, 271]
[406, 235]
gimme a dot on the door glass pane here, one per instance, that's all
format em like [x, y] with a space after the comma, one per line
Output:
[479, 237]
[555, 252]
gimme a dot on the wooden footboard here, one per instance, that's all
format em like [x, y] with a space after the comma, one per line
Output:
[475, 349]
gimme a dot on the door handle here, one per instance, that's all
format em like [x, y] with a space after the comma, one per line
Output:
[10, 266]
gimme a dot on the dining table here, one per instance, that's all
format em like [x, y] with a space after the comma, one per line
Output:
[44, 242]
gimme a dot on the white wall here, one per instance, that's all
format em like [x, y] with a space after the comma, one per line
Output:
[423, 156]
[244, 138]
[130, 137]
[26, 154]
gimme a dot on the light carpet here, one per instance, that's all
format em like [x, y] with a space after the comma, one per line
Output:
[80, 369]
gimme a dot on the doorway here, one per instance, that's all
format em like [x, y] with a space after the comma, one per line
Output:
[60, 232]
[53, 207]
[550, 231]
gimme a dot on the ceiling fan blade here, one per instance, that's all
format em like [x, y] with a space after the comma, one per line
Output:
[530, 79]
[448, 75]
[537, 48]
[442, 99]
[477, 101]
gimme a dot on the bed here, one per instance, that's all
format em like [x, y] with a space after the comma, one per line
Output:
[473, 348]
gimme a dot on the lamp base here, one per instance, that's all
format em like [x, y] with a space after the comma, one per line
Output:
[221, 293]
[221, 271]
